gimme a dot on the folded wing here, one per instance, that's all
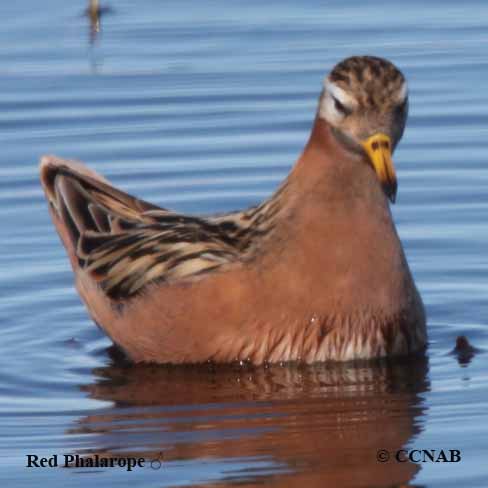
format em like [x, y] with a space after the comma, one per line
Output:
[126, 243]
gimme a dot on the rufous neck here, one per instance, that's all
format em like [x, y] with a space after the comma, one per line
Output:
[326, 170]
[321, 136]
[321, 151]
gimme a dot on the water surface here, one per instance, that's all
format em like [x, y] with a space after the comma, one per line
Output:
[203, 107]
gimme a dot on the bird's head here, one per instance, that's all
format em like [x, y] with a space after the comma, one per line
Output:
[365, 102]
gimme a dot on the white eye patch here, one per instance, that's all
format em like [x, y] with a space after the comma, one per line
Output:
[328, 110]
[402, 93]
[339, 94]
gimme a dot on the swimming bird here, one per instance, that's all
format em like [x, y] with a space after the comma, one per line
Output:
[95, 12]
[315, 272]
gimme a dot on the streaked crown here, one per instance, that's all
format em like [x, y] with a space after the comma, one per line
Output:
[375, 82]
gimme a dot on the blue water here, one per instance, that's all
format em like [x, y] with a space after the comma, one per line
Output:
[203, 107]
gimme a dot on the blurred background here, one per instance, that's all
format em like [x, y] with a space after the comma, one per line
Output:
[204, 107]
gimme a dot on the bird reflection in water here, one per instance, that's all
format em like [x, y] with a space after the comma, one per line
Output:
[319, 425]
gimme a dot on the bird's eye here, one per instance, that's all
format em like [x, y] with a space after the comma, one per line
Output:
[340, 107]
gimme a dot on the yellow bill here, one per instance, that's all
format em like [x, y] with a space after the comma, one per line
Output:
[378, 148]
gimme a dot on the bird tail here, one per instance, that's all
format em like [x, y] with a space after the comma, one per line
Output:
[84, 207]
